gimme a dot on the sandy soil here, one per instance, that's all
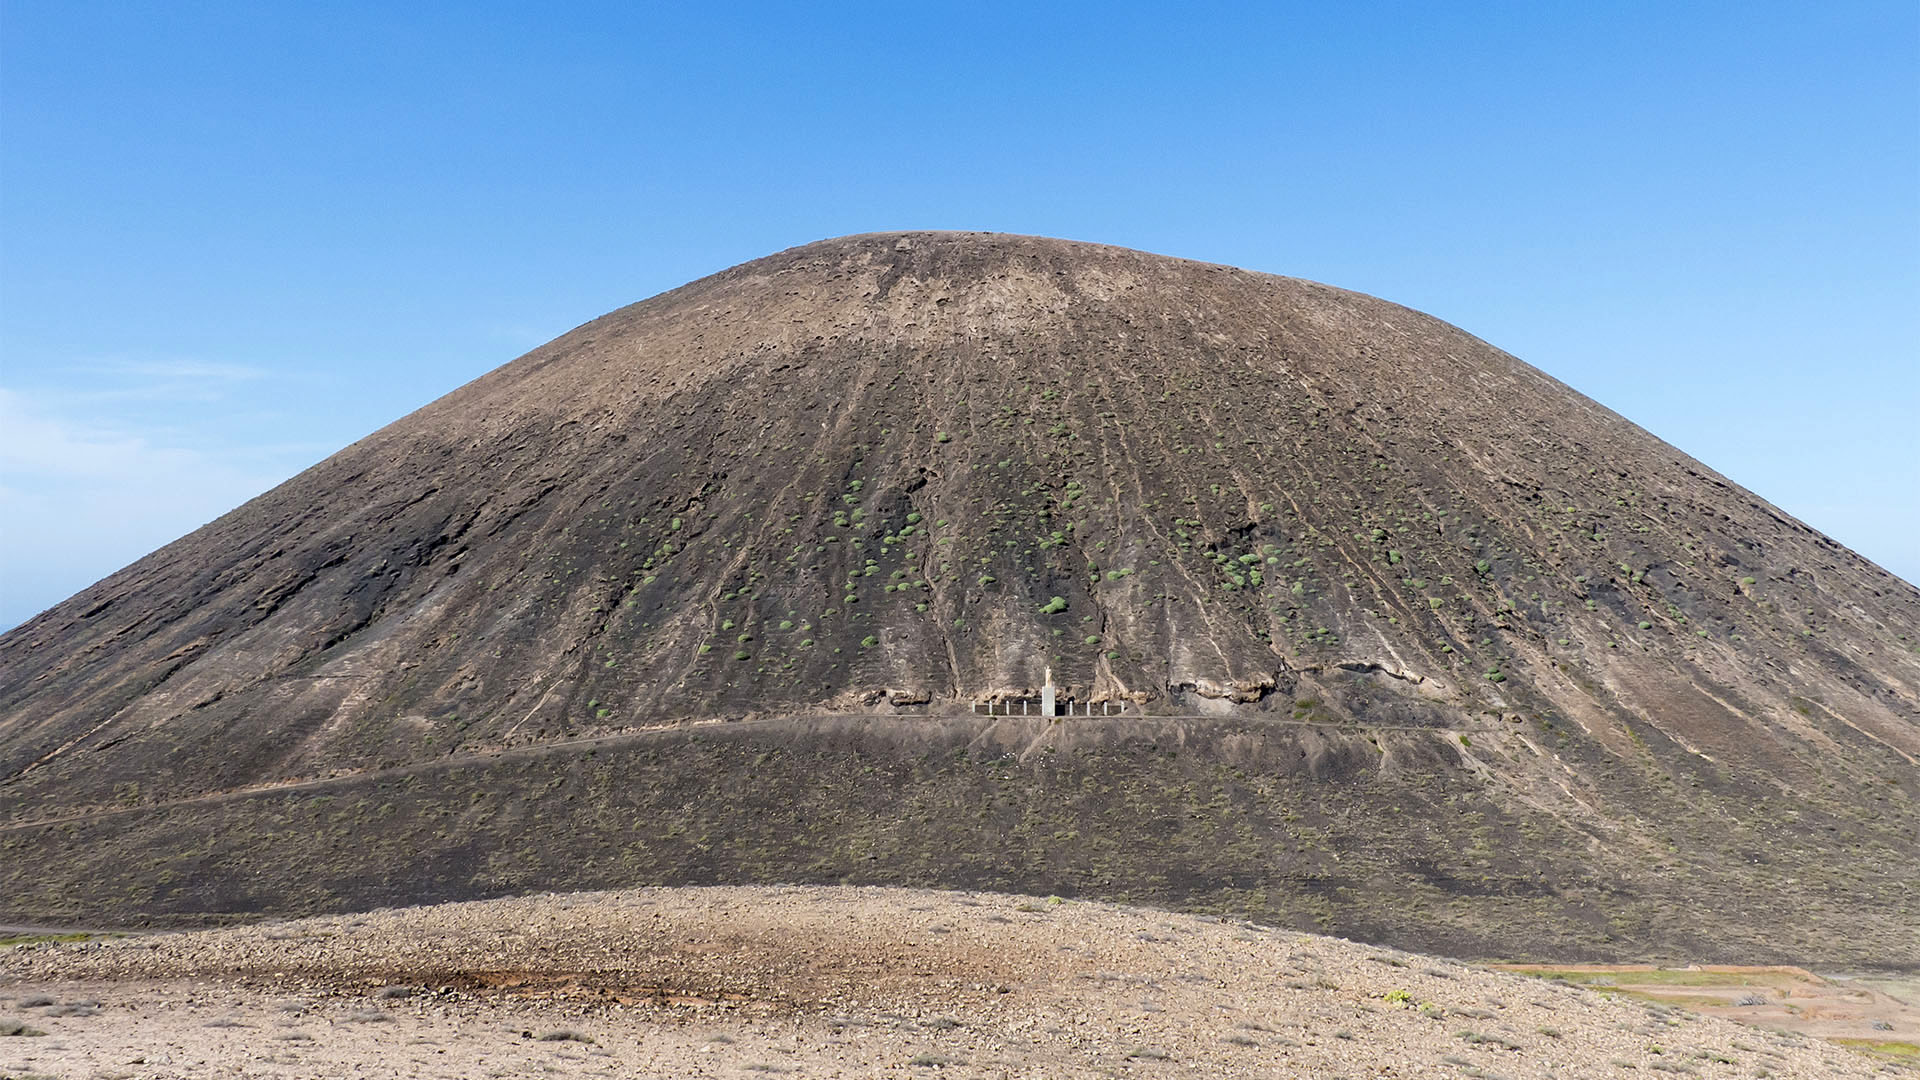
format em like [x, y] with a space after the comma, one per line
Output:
[827, 982]
[1855, 1010]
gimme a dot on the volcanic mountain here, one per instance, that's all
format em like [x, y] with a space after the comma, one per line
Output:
[1382, 631]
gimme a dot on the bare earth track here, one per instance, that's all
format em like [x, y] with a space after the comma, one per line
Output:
[831, 982]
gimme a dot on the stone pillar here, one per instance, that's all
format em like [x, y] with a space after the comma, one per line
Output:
[1046, 695]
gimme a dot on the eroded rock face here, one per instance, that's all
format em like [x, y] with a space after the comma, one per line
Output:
[912, 471]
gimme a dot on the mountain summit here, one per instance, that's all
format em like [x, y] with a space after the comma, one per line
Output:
[1380, 629]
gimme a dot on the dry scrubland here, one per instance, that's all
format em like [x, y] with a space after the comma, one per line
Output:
[828, 982]
[1418, 645]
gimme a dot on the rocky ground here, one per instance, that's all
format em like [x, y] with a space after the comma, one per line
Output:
[828, 982]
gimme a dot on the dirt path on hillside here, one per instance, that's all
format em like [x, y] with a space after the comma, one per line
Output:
[826, 982]
[588, 743]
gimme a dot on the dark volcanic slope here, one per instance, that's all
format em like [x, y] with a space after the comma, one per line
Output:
[1450, 621]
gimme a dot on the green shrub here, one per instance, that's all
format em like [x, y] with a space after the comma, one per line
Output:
[1054, 606]
[563, 1036]
[19, 1028]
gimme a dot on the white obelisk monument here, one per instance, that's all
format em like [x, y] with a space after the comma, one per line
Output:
[1046, 695]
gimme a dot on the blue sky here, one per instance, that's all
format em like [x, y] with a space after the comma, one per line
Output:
[235, 237]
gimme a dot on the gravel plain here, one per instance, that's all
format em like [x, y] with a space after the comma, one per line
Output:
[827, 982]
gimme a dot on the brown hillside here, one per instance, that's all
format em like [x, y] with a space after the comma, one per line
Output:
[1416, 641]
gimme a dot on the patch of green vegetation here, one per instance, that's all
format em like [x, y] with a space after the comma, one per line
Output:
[1897, 1049]
[1054, 606]
[37, 939]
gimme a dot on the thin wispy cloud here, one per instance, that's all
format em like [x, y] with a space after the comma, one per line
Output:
[81, 495]
[182, 369]
[84, 385]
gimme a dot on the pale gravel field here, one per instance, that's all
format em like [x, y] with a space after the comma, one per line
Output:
[828, 982]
